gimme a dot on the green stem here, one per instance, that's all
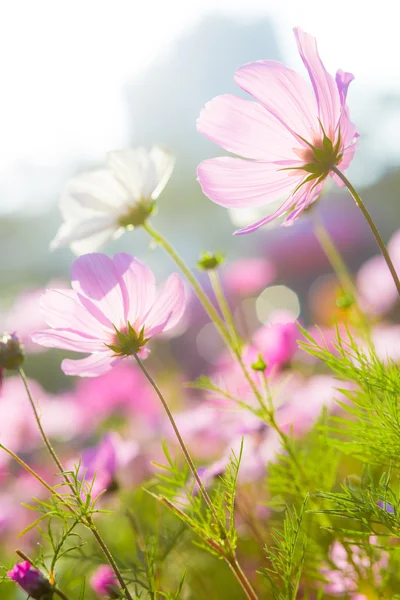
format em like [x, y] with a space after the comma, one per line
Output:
[205, 301]
[242, 579]
[182, 444]
[339, 266]
[90, 524]
[223, 304]
[372, 225]
[334, 257]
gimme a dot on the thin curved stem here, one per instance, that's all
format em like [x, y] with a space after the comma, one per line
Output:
[182, 444]
[372, 225]
[205, 301]
[223, 304]
[90, 523]
[46, 440]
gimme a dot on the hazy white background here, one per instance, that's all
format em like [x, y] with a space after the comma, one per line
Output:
[64, 66]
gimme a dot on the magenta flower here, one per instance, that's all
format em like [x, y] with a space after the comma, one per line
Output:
[30, 580]
[112, 311]
[104, 582]
[292, 136]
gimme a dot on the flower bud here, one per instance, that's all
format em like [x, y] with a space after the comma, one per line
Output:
[260, 364]
[209, 261]
[11, 351]
[32, 581]
[104, 582]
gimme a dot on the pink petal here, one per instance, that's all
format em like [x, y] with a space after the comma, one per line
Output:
[62, 310]
[343, 81]
[325, 88]
[283, 92]
[237, 183]
[94, 276]
[67, 339]
[140, 284]
[92, 366]
[245, 128]
[303, 197]
[168, 308]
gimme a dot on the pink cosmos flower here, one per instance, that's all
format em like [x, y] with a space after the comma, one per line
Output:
[31, 580]
[293, 136]
[104, 582]
[112, 311]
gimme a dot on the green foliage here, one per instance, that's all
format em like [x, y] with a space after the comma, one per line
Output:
[286, 556]
[215, 524]
[372, 430]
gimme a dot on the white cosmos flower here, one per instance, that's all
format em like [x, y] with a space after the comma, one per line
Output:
[98, 205]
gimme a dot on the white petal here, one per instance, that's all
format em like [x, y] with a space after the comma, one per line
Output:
[91, 232]
[94, 193]
[143, 173]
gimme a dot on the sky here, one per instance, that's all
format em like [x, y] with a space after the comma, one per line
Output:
[64, 66]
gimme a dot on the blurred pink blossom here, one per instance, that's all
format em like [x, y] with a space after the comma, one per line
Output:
[25, 316]
[293, 136]
[111, 312]
[306, 401]
[346, 576]
[277, 343]
[104, 582]
[19, 432]
[248, 276]
[103, 461]
[375, 284]
[125, 391]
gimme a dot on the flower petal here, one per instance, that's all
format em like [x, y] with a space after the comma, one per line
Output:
[343, 81]
[62, 310]
[71, 232]
[91, 366]
[303, 197]
[96, 241]
[325, 88]
[143, 173]
[164, 163]
[168, 308]
[283, 92]
[236, 183]
[95, 276]
[140, 284]
[92, 194]
[67, 339]
[245, 128]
